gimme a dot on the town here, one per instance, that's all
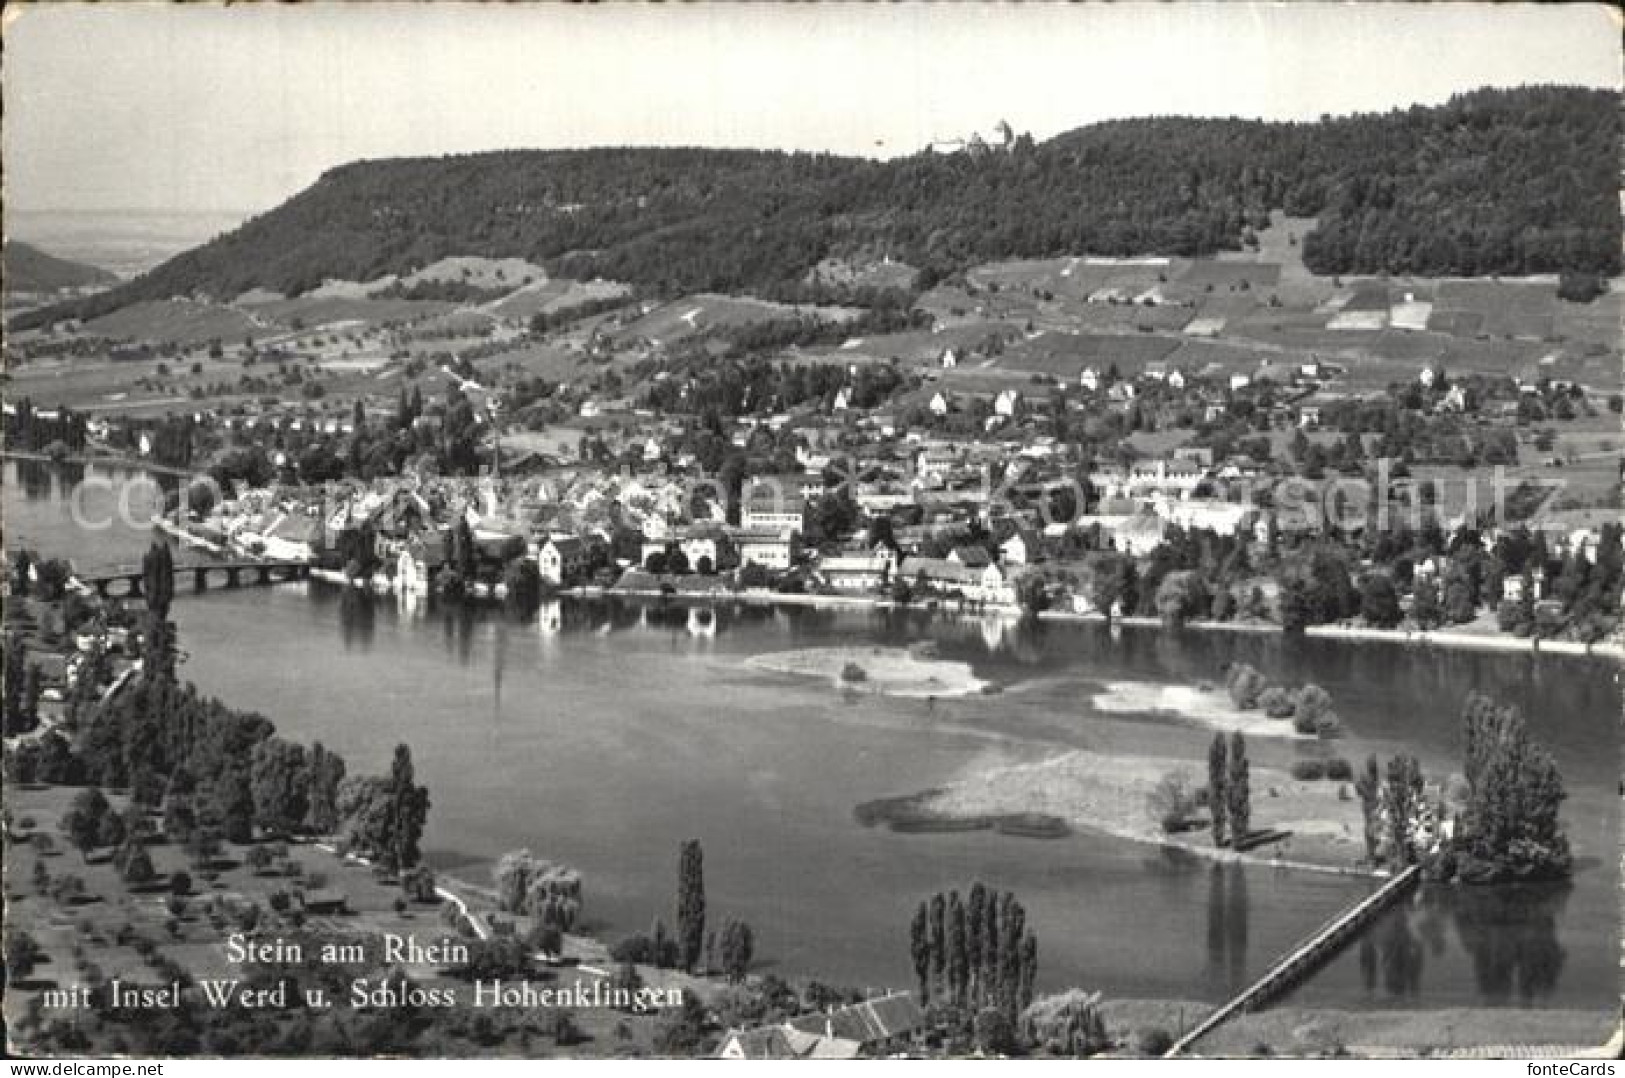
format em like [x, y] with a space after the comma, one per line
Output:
[510, 555]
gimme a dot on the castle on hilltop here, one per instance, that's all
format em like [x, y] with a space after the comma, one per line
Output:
[999, 140]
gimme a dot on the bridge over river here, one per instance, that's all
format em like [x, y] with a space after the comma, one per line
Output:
[125, 581]
[1308, 956]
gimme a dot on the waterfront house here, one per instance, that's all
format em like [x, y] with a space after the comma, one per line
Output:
[562, 560]
[857, 572]
[1022, 548]
[766, 548]
[421, 557]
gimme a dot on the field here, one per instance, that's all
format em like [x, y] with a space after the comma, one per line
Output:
[1066, 355]
[176, 321]
[554, 295]
[693, 314]
[115, 931]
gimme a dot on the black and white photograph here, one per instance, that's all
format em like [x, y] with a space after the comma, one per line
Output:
[827, 531]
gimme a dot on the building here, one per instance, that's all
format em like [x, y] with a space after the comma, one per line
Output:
[768, 549]
[984, 584]
[857, 572]
[562, 560]
[420, 558]
[1022, 548]
[874, 1028]
[772, 505]
[292, 537]
[972, 557]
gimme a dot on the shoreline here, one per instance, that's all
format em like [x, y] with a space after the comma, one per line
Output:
[1107, 794]
[1441, 638]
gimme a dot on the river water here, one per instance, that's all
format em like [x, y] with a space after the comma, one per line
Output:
[603, 733]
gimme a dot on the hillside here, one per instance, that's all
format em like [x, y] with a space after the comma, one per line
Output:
[29, 269]
[1494, 182]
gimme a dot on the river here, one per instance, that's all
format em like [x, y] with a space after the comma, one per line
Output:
[604, 733]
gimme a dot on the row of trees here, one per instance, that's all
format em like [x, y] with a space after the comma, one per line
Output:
[222, 774]
[974, 953]
[1504, 824]
[1229, 791]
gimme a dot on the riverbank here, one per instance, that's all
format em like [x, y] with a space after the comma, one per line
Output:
[1316, 830]
[887, 671]
[1439, 638]
[1477, 1033]
[1210, 708]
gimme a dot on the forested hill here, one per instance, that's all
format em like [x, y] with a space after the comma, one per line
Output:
[1495, 181]
[29, 269]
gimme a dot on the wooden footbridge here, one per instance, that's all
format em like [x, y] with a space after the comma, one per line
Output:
[1307, 957]
[125, 581]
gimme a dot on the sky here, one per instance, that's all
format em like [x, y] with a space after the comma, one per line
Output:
[167, 107]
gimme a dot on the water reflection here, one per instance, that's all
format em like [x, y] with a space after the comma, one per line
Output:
[1227, 918]
[357, 619]
[1510, 932]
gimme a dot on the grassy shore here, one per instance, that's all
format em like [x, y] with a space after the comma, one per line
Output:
[1315, 828]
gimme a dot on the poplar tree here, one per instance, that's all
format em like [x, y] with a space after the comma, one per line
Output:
[1238, 793]
[939, 941]
[975, 933]
[958, 958]
[1217, 776]
[919, 949]
[690, 903]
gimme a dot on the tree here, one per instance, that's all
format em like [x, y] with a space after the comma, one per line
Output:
[1032, 593]
[1245, 684]
[1379, 601]
[326, 772]
[919, 950]
[409, 811]
[738, 947]
[1067, 1025]
[1218, 774]
[958, 957]
[1402, 800]
[1368, 785]
[23, 955]
[690, 903]
[137, 867]
[83, 821]
[158, 578]
[1238, 793]
[939, 938]
[280, 785]
[1172, 801]
[1180, 596]
[995, 1033]
[1512, 829]
[1296, 605]
[1426, 610]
